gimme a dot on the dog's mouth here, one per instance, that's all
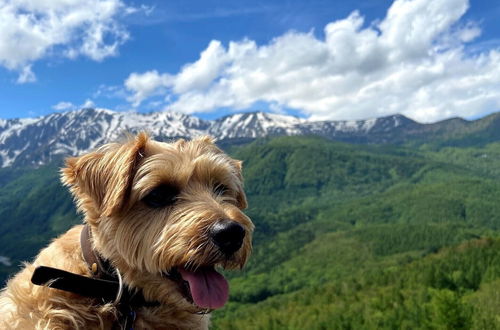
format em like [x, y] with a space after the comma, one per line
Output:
[205, 287]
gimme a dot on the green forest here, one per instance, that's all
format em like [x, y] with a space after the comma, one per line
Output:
[347, 236]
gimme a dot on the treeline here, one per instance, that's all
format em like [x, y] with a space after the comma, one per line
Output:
[457, 288]
[391, 239]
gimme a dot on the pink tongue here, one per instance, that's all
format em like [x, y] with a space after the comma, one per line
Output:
[209, 289]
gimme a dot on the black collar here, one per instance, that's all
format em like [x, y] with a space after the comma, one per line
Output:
[105, 284]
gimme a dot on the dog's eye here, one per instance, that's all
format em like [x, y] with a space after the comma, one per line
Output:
[161, 196]
[220, 189]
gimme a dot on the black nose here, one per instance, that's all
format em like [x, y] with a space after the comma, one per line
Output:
[227, 235]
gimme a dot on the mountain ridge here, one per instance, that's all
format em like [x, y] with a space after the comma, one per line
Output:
[37, 141]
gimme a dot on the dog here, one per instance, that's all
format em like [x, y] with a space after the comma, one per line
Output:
[159, 218]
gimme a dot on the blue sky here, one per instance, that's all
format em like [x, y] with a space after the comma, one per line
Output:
[427, 59]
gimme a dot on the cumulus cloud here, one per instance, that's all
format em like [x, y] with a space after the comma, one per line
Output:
[200, 75]
[33, 29]
[146, 84]
[416, 61]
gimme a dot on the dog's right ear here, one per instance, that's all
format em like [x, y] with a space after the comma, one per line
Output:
[101, 180]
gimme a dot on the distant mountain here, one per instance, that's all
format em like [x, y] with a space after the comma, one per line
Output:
[38, 141]
[255, 125]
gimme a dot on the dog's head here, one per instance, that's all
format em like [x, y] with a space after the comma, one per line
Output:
[165, 214]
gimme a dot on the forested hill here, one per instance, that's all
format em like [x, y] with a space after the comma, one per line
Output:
[372, 237]
[347, 236]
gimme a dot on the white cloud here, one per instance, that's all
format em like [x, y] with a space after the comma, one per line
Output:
[418, 61]
[33, 29]
[146, 84]
[88, 104]
[110, 92]
[26, 75]
[63, 106]
[68, 106]
[199, 75]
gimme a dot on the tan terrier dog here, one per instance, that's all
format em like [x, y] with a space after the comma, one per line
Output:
[159, 218]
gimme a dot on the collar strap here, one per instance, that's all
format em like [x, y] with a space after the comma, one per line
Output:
[104, 285]
[81, 285]
[84, 286]
[102, 270]
[99, 267]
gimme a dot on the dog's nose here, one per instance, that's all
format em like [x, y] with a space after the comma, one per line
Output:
[227, 235]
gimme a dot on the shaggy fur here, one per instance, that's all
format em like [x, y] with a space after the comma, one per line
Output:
[141, 242]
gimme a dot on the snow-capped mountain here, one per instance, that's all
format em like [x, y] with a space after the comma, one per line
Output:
[254, 125]
[36, 141]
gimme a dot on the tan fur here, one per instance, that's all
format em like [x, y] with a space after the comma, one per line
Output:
[141, 242]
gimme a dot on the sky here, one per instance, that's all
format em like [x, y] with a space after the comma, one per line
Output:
[321, 59]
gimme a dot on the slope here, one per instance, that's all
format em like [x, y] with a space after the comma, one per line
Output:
[344, 247]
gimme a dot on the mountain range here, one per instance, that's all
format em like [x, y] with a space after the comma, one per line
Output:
[37, 141]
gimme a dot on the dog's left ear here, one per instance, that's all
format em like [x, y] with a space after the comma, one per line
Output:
[105, 176]
[241, 198]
